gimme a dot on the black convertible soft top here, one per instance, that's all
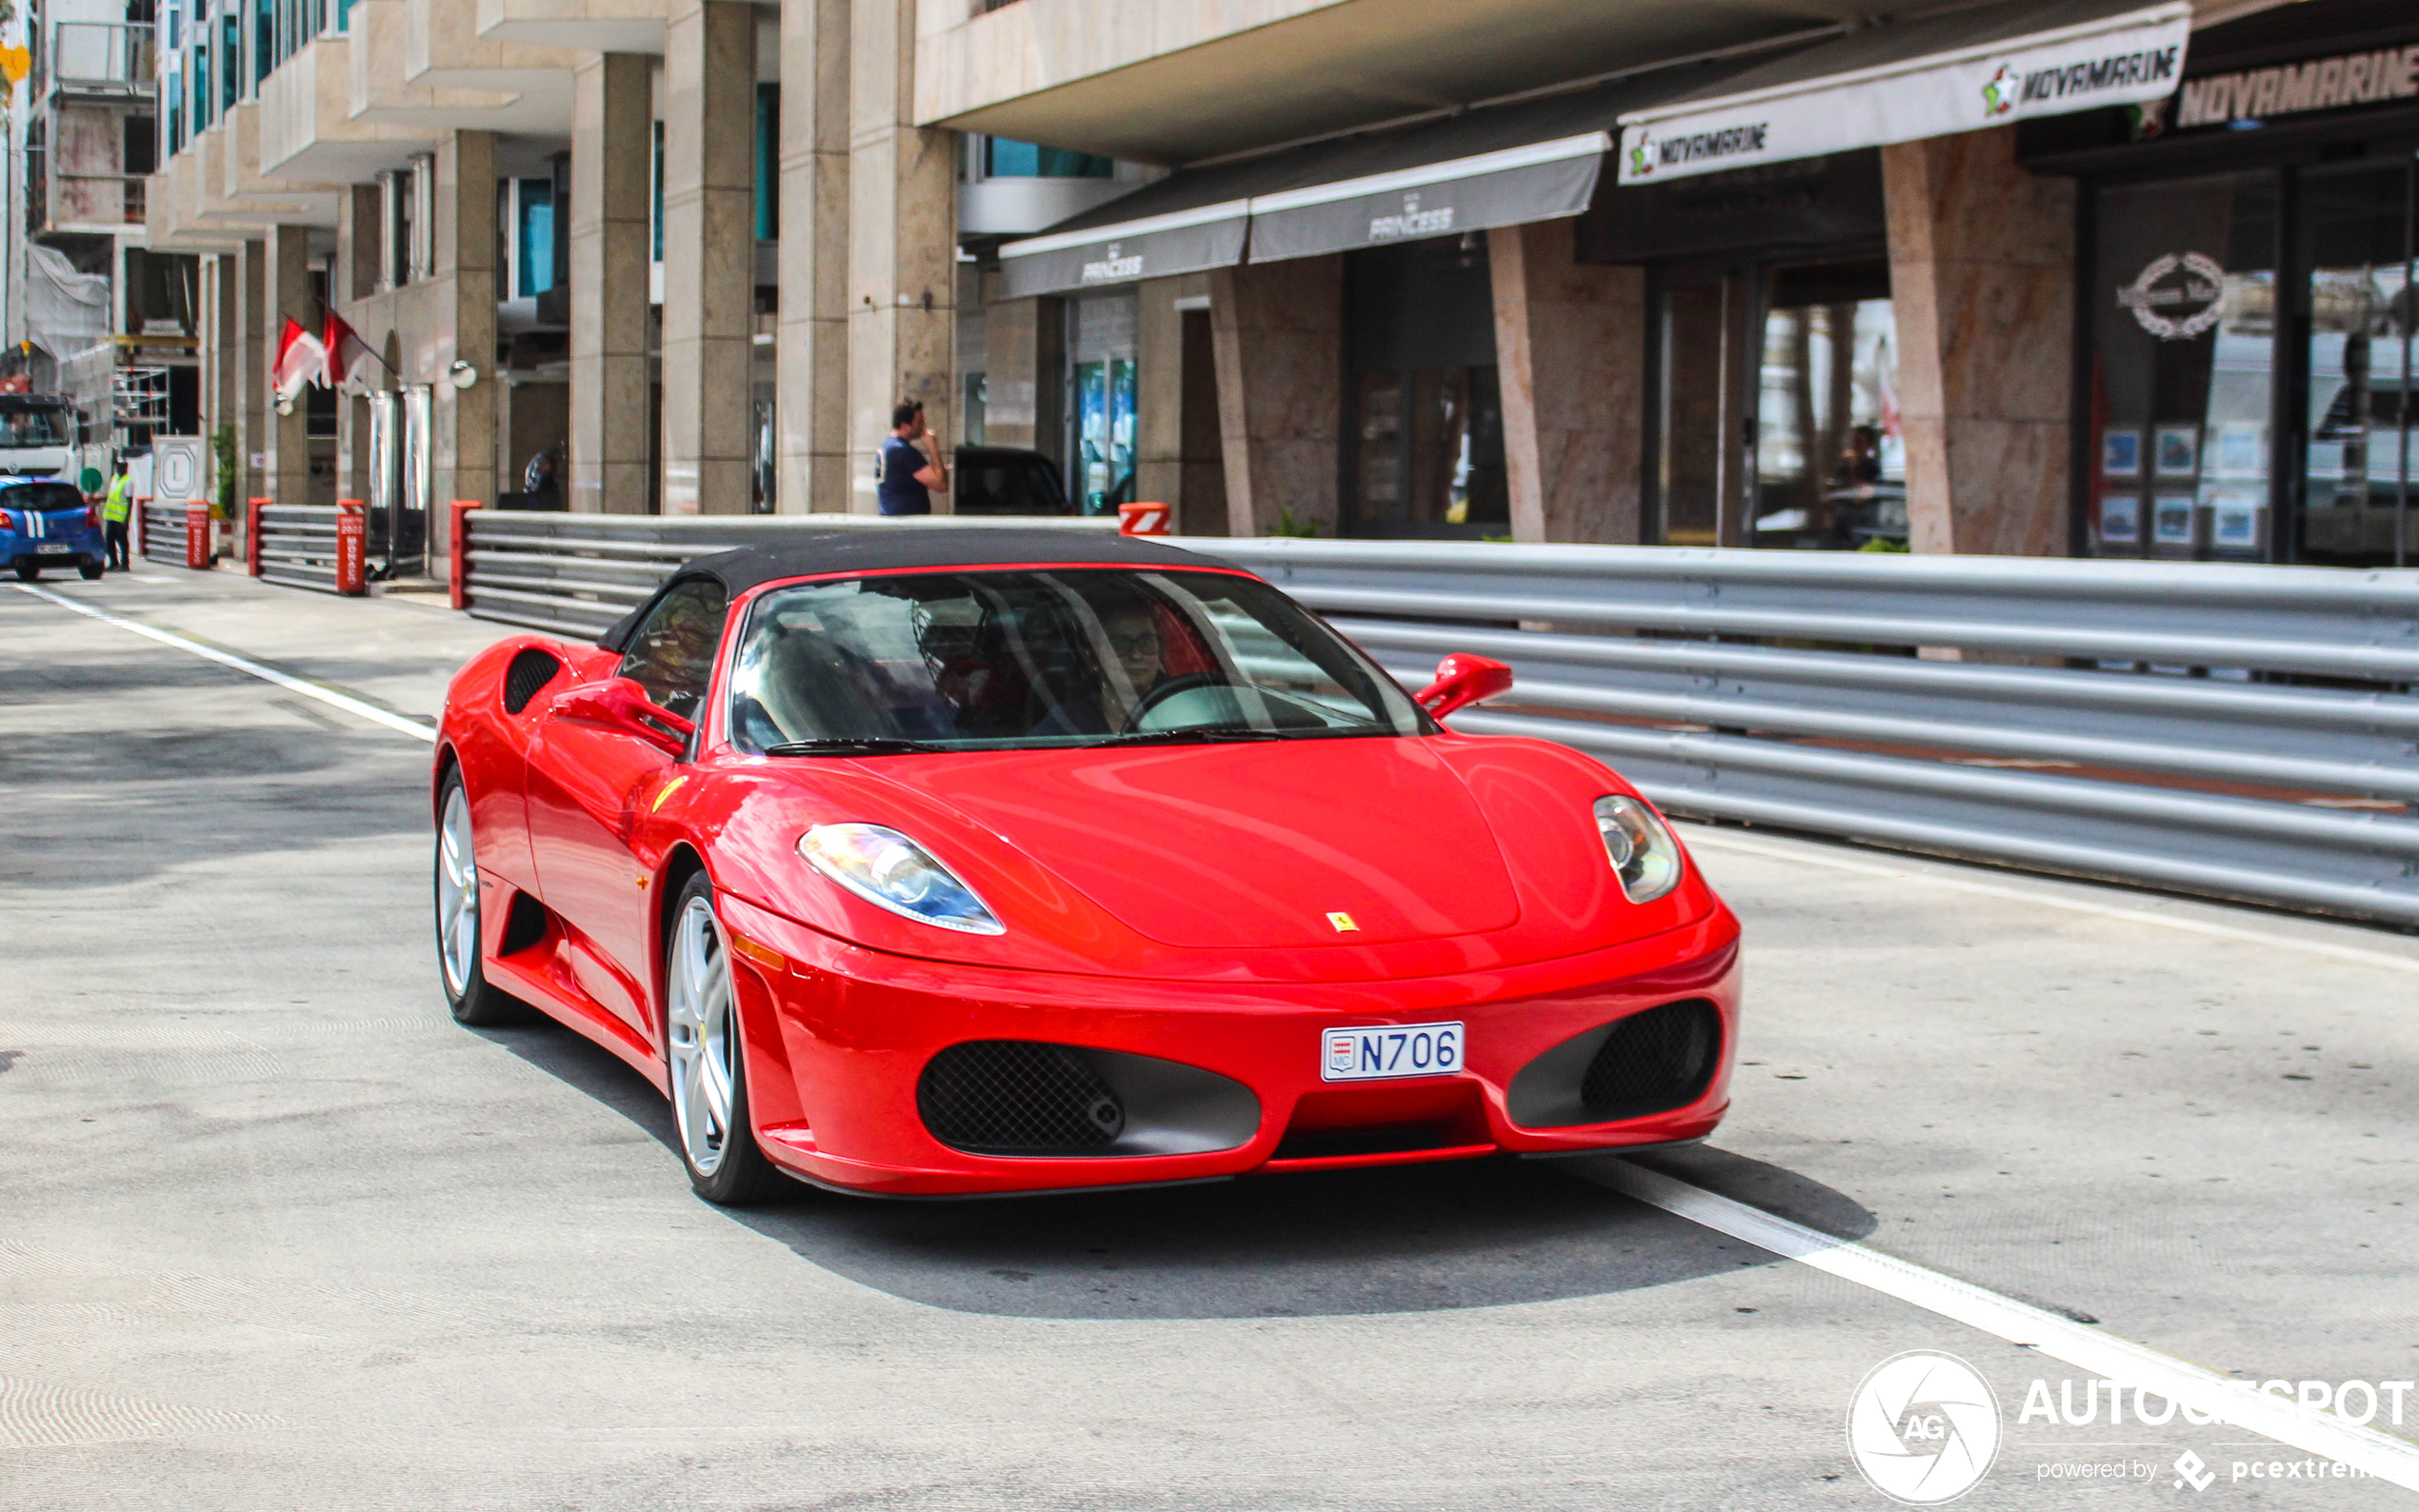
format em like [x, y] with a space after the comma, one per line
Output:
[874, 548]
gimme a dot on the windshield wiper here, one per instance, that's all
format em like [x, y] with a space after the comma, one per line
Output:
[1197, 734]
[851, 745]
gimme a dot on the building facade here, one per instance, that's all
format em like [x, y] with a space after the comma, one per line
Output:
[1724, 274]
[93, 312]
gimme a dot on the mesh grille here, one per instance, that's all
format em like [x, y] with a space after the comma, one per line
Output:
[1653, 1062]
[1016, 1097]
[531, 670]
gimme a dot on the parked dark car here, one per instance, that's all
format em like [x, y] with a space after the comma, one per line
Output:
[1008, 480]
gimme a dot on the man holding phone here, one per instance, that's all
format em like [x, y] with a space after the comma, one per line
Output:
[910, 466]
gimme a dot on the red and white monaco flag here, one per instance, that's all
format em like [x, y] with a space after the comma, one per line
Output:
[300, 359]
[346, 351]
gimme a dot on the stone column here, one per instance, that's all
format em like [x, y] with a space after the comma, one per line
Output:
[1278, 335]
[901, 247]
[811, 343]
[1159, 390]
[253, 290]
[1982, 283]
[612, 140]
[1023, 343]
[358, 219]
[709, 256]
[286, 438]
[462, 449]
[222, 392]
[1571, 350]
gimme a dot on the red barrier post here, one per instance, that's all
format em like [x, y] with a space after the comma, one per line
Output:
[457, 569]
[1142, 519]
[197, 536]
[351, 519]
[252, 533]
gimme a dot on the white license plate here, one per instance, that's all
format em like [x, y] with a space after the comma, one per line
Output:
[1385, 1051]
[54, 550]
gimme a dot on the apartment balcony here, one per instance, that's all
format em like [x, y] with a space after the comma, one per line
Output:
[596, 25]
[307, 127]
[1173, 80]
[103, 61]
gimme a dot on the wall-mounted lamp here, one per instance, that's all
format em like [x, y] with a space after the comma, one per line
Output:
[462, 375]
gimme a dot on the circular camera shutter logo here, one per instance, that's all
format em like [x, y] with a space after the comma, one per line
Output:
[1923, 1427]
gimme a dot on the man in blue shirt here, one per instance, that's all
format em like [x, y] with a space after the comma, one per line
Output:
[910, 470]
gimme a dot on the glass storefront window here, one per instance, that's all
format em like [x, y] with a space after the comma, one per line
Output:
[1830, 463]
[2357, 474]
[1423, 453]
[1101, 348]
[2183, 360]
[536, 235]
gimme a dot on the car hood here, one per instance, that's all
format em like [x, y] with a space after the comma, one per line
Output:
[1285, 844]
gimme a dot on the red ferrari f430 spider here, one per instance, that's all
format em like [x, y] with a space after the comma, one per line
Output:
[929, 861]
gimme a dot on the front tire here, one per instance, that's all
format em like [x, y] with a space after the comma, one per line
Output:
[468, 992]
[703, 1061]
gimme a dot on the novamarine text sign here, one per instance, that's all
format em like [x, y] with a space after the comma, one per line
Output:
[2123, 64]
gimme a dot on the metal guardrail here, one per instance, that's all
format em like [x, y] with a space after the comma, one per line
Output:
[297, 546]
[163, 533]
[575, 574]
[2247, 732]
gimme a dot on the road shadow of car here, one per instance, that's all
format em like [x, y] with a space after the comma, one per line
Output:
[1385, 1240]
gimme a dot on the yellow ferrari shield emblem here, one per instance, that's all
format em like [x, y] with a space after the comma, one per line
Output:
[1344, 924]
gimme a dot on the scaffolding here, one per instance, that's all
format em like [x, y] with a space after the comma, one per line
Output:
[139, 396]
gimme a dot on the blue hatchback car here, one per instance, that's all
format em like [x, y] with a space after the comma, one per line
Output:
[45, 522]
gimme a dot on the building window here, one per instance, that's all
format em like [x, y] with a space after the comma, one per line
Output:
[767, 161]
[1003, 158]
[1424, 448]
[656, 214]
[533, 237]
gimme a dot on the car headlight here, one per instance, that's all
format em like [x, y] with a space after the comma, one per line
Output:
[1643, 855]
[887, 868]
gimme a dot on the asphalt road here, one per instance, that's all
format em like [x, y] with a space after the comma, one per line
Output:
[275, 1233]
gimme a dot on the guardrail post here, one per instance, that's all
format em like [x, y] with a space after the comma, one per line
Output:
[458, 572]
[1142, 519]
[252, 533]
[197, 555]
[351, 518]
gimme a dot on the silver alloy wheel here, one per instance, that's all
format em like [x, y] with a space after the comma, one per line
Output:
[457, 894]
[704, 1048]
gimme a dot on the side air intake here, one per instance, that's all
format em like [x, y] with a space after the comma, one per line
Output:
[531, 670]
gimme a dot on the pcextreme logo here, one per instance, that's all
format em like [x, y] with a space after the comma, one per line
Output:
[1923, 1427]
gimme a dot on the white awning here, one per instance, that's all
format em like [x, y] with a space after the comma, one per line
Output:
[1536, 182]
[1124, 250]
[1933, 76]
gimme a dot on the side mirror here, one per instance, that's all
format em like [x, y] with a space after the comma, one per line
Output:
[619, 704]
[1462, 680]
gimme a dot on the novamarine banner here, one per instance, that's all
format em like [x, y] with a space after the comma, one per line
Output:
[2122, 60]
[1181, 242]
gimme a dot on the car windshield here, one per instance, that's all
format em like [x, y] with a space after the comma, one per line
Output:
[33, 428]
[1030, 659]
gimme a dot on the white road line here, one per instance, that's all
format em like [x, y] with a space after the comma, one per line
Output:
[1716, 840]
[2237, 1403]
[267, 674]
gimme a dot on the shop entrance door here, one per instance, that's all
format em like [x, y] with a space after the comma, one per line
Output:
[2355, 481]
[1776, 416]
[1101, 351]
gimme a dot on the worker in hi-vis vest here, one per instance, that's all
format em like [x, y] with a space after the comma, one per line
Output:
[113, 512]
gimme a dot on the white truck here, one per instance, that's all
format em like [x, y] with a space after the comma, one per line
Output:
[39, 437]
